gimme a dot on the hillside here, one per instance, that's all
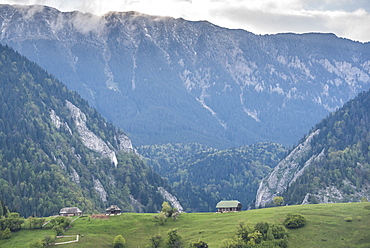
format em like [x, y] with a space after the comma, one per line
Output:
[56, 151]
[326, 227]
[330, 164]
[202, 176]
[177, 81]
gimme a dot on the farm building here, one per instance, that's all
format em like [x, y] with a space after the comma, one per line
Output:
[229, 206]
[71, 211]
[113, 210]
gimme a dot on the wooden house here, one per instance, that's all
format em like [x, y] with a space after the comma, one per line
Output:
[113, 210]
[228, 206]
[71, 211]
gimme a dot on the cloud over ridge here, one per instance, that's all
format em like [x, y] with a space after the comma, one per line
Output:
[348, 19]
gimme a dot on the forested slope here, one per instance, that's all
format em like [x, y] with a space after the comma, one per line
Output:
[201, 176]
[330, 164]
[56, 151]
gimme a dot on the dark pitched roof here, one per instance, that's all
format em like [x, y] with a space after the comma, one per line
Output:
[227, 204]
[70, 210]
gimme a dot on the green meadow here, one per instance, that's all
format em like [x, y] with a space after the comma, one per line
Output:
[328, 225]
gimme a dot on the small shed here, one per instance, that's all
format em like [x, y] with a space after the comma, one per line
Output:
[113, 210]
[229, 206]
[71, 211]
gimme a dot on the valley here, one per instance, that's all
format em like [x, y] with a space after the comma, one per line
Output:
[135, 110]
[326, 226]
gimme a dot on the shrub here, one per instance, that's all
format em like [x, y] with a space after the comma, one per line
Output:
[155, 241]
[119, 242]
[199, 244]
[161, 217]
[61, 221]
[262, 227]
[36, 244]
[59, 230]
[278, 231]
[169, 211]
[7, 233]
[294, 221]
[173, 238]
[278, 201]
[348, 219]
[48, 240]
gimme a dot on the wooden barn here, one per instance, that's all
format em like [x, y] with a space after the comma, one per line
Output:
[113, 210]
[71, 211]
[229, 206]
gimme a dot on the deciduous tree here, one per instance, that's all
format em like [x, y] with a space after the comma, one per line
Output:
[278, 201]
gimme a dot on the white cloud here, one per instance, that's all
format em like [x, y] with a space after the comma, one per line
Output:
[345, 18]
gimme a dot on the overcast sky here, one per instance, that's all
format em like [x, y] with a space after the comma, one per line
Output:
[345, 18]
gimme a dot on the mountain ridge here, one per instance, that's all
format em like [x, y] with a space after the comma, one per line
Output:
[192, 81]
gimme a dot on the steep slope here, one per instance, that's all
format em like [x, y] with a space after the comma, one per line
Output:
[56, 151]
[178, 81]
[331, 164]
[202, 176]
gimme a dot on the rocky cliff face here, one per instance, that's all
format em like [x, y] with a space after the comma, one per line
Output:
[286, 172]
[331, 164]
[170, 80]
[88, 138]
[171, 199]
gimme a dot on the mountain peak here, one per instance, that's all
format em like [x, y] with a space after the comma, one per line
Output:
[190, 80]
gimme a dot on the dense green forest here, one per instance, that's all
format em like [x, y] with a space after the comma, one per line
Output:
[343, 173]
[201, 176]
[44, 167]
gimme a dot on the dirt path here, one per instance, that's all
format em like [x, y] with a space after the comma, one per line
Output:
[67, 242]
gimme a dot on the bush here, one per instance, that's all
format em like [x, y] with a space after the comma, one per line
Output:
[119, 242]
[36, 244]
[263, 228]
[48, 240]
[278, 231]
[59, 230]
[7, 233]
[294, 221]
[348, 219]
[278, 201]
[161, 217]
[199, 244]
[173, 238]
[155, 241]
[61, 221]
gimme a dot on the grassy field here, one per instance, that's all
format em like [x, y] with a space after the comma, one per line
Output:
[327, 226]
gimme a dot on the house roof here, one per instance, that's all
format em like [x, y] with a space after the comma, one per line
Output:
[113, 207]
[228, 204]
[70, 210]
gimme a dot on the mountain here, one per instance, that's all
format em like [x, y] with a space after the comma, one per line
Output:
[56, 151]
[166, 80]
[330, 164]
[202, 176]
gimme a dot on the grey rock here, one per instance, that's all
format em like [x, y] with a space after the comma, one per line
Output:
[166, 80]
